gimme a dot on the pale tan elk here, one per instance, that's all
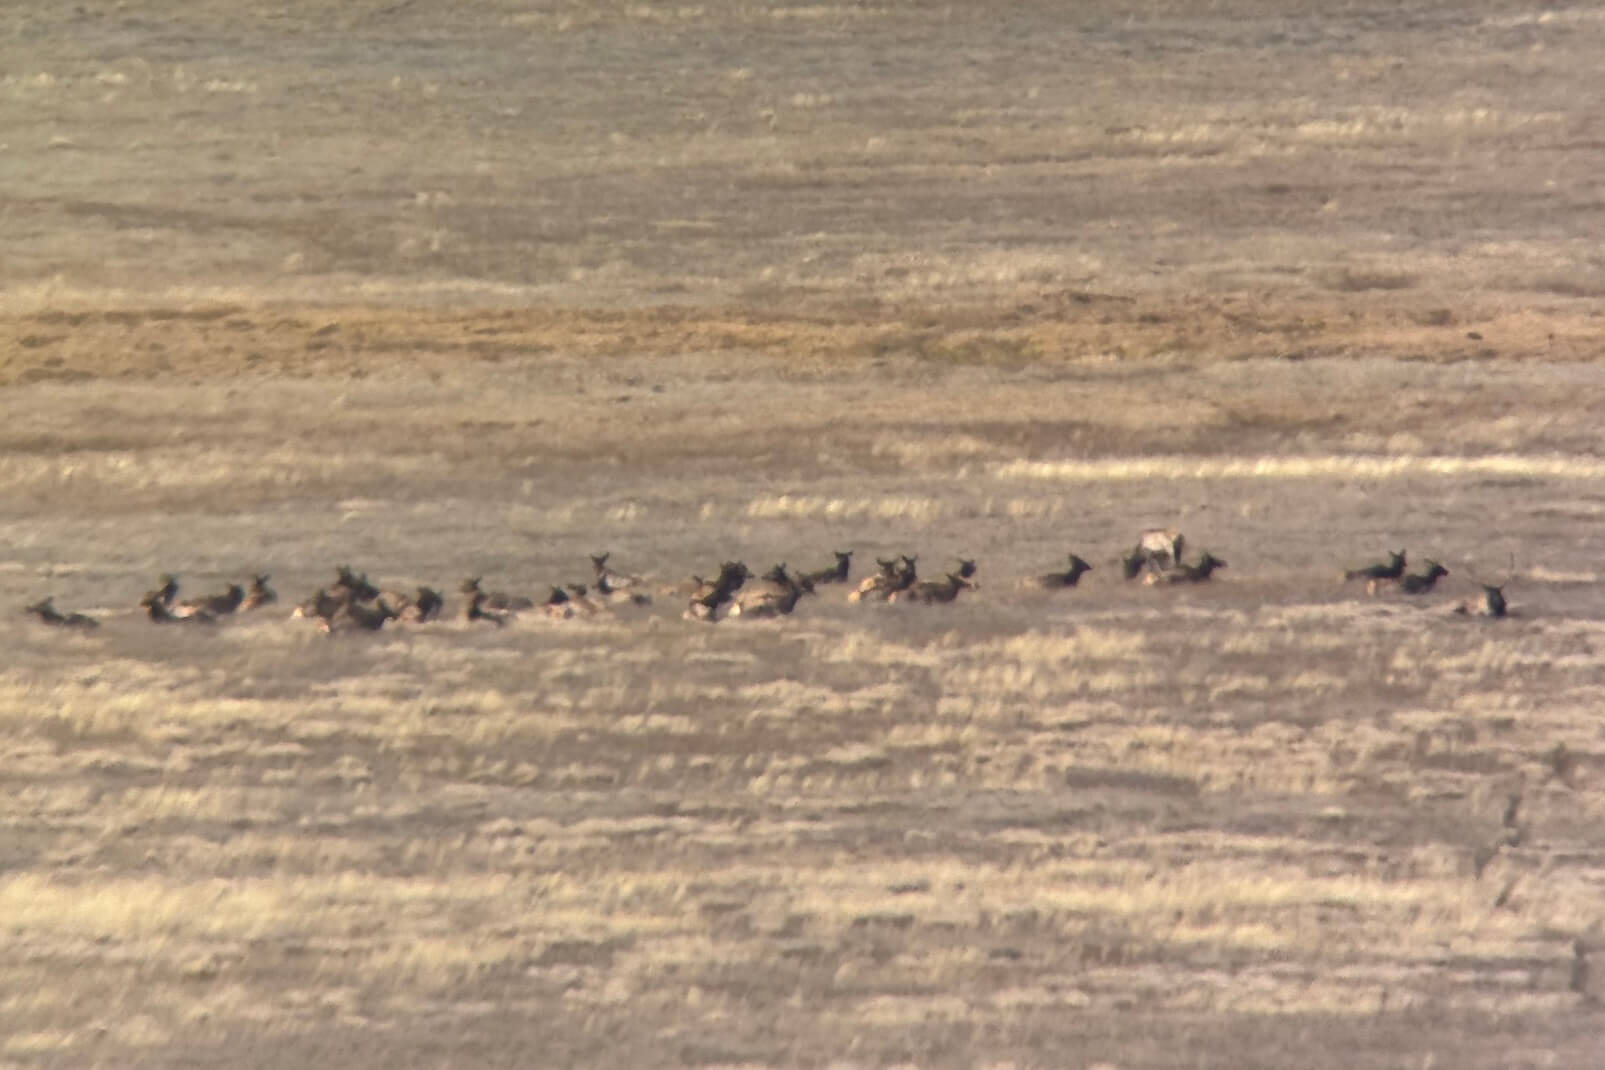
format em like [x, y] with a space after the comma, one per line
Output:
[775, 596]
[895, 575]
[159, 613]
[610, 581]
[1185, 573]
[1157, 550]
[929, 592]
[1491, 603]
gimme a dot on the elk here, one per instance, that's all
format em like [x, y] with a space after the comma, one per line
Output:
[1491, 603]
[322, 604]
[608, 581]
[836, 573]
[928, 592]
[158, 611]
[1157, 550]
[710, 595]
[218, 605]
[896, 575]
[1422, 582]
[47, 612]
[260, 594]
[359, 616]
[566, 602]
[1184, 573]
[476, 608]
[354, 587]
[1391, 569]
[1058, 581]
[496, 601]
[166, 591]
[423, 607]
[776, 597]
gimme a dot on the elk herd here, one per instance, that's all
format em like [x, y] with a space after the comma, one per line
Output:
[353, 604]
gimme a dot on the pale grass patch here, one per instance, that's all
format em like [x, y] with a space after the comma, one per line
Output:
[1227, 685]
[1389, 122]
[892, 507]
[924, 452]
[141, 699]
[1247, 642]
[38, 1042]
[1328, 466]
[1316, 682]
[863, 646]
[141, 1031]
[161, 471]
[1082, 644]
[912, 1010]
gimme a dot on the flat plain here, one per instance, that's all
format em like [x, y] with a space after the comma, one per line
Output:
[441, 293]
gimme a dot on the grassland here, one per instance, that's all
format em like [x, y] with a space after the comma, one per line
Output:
[436, 296]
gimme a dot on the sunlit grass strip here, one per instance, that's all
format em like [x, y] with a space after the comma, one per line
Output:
[1356, 466]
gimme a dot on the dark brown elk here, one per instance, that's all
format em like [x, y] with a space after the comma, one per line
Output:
[359, 617]
[323, 604]
[836, 573]
[477, 611]
[167, 590]
[353, 586]
[1391, 569]
[47, 612]
[260, 593]
[496, 601]
[1423, 582]
[218, 605]
[423, 607]
[711, 596]
[1058, 581]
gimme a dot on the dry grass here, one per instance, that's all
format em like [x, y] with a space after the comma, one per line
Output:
[296, 285]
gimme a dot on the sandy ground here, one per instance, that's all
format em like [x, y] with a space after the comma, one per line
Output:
[482, 294]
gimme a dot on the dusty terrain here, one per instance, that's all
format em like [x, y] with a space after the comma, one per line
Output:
[444, 295]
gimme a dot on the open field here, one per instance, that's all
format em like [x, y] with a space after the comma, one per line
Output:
[444, 296]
